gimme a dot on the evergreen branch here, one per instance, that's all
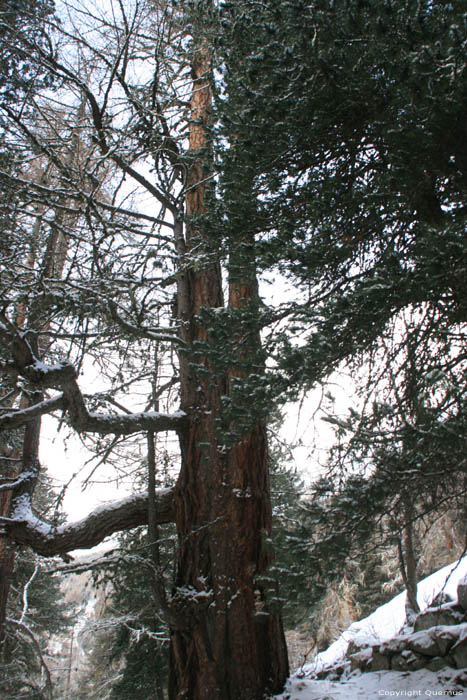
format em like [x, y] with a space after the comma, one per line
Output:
[25, 629]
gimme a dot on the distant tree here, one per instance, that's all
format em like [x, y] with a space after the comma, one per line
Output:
[130, 655]
[36, 611]
[141, 640]
[291, 570]
[398, 463]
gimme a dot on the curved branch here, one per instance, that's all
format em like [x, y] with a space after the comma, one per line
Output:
[62, 376]
[26, 529]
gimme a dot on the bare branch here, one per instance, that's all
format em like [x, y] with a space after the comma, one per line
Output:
[26, 529]
[14, 419]
[88, 199]
[62, 376]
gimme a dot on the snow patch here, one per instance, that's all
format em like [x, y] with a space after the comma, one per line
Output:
[387, 620]
[382, 625]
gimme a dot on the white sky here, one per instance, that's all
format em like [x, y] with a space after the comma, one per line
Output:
[66, 458]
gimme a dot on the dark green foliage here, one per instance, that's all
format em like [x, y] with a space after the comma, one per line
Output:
[346, 155]
[22, 38]
[292, 567]
[323, 536]
[144, 658]
[130, 655]
[398, 465]
[145, 665]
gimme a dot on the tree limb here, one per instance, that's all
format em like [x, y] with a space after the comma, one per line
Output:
[14, 419]
[26, 529]
[62, 376]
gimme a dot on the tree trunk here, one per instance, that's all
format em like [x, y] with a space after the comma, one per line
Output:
[30, 465]
[7, 563]
[32, 318]
[226, 642]
[411, 606]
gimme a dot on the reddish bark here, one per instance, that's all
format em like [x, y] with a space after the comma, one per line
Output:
[226, 644]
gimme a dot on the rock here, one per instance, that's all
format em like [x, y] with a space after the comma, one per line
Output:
[354, 647]
[332, 672]
[333, 676]
[340, 669]
[459, 653]
[435, 641]
[393, 646]
[361, 659]
[462, 593]
[437, 663]
[408, 660]
[460, 679]
[378, 661]
[433, 617]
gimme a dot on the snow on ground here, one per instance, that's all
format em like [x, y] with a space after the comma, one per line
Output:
[380, 626]
[379, 684]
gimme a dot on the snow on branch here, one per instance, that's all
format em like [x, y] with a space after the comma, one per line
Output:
[26, 529]
[62, 376]
[14, 419]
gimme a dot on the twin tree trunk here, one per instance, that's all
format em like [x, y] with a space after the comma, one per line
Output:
[226, 641]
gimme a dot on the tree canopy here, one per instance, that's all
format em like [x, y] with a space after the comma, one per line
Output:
[348, 120]
[163, 165]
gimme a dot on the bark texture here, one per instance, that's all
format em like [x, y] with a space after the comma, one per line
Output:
[226, 642]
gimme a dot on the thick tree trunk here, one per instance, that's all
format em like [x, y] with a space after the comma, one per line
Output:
[226, 642]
